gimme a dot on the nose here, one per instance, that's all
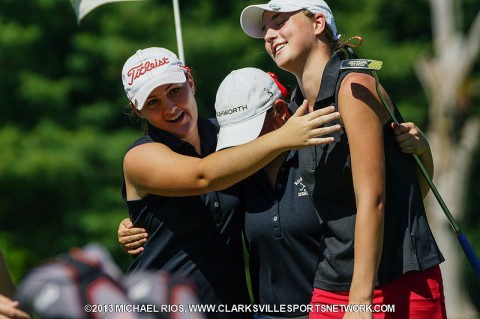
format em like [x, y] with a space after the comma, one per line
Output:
[170, 105]
[269, 35]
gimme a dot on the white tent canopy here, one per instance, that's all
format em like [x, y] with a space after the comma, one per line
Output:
[83, 7]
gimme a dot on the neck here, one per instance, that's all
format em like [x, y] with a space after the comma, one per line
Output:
[272, 168]
[309, 77]
[194, 140]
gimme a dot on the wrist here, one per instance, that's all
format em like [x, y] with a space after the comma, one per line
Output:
[360, 295]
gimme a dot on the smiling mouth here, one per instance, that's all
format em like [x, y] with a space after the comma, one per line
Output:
[177, 118]
[278, 48]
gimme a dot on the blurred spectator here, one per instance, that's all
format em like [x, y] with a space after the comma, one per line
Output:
[86, 283]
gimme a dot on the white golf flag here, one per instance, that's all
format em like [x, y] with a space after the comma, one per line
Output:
[83, 7]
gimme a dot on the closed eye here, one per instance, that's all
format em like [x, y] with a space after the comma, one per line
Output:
[280, 23]
[276, 22]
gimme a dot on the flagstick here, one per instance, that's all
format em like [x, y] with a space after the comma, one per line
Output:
[178, 30]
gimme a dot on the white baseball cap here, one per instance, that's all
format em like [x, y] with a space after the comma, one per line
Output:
[251, 17]
[147, 69]
[243, 99]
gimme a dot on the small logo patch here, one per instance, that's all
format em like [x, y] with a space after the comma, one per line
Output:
[275, 7]
[303, 189]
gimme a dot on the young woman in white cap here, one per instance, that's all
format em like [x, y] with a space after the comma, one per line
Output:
[377, 247]
[174, 186]
[282, 229]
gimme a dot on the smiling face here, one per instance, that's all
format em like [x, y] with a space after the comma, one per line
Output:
[290, 38]
[172, 108]
[286, 36]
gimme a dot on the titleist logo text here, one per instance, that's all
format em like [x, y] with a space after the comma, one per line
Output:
[137, 71]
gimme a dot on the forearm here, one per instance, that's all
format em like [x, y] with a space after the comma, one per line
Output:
[367, 254]
[426, 159]
[229, 166]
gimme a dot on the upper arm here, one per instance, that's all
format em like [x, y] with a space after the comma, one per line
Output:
[153, 168]
[363, 116]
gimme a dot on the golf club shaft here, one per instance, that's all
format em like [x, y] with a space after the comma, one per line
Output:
[452, 221]
[467, 248]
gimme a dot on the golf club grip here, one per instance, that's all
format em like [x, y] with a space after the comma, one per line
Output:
[472, 258]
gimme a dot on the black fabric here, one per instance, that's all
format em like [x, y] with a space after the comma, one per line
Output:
[283, 234]
[326, 170]
[199, 236]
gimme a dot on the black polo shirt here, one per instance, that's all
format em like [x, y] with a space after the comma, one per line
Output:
[408, 241]
[283, 234]
[198, 236]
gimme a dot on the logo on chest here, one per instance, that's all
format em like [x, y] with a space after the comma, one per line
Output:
[302, 190]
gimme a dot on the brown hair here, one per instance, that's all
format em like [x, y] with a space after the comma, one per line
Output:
[335, 43]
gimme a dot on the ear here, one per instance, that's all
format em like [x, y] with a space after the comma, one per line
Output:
[319, 23]
[282, 110]
[191, 82]
[135, 110]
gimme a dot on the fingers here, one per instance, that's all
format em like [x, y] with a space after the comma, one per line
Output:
[133, 241]
[400, 128]
[320, 140]
[322, 116]
[321, 131]
[302, 109]
[304, 130]
[317, 119]
[135, 252]
[410, 138]
[404, 128]
[135, 233]
[131, 238]
[126, 223]
[133, 245]
[324, 111]
[125, 229]
[8, 309]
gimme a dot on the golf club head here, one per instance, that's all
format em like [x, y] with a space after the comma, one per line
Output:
[361, 64]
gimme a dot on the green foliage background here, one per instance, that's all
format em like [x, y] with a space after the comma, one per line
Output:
[63, 128]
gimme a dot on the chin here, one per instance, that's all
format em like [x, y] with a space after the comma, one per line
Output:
[283, 66]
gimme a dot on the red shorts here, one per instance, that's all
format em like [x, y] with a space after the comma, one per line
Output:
[415, 295]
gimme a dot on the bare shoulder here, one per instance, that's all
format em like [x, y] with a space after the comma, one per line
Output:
[143, 160]
[358, 91]
[149, 169]
[147, 151]
[358, 85]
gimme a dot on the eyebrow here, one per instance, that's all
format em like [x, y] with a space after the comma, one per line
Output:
[168, 87]
[272, 18]
[276, 15]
